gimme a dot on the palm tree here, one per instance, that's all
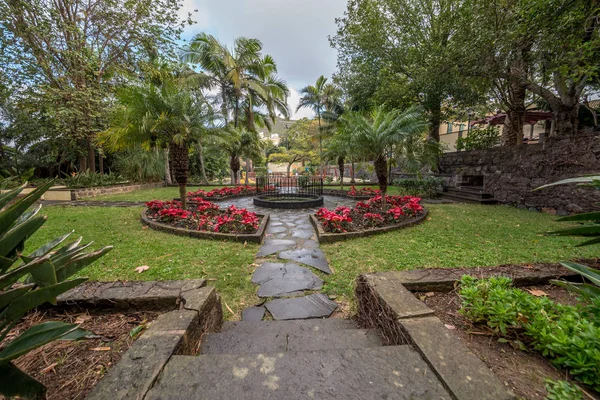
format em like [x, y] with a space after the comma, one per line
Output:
[378, 132]
[313, 98]
[166, 115]
[240, 143]
[338, 150]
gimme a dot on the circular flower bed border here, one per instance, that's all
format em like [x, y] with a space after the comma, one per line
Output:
[327, 237]
[281, 203]
[237, 237]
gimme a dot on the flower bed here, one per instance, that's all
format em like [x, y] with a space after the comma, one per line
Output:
[223, 193]
[363, 192]
[369, 217]
[204, 219]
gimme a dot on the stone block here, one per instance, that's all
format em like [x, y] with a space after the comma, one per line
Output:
[402, 302]
[463, 373]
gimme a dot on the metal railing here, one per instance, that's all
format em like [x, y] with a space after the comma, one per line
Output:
[289, 186]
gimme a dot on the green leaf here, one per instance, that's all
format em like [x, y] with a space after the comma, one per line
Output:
[16, 383]
[11, 214]
[580, 179]
[44, 275]
[586, 272]
[60, 260]
[589, 242]
[34, 298]
[584, 289]
[8, 296]
[34, 337]
[14, 275]
[6, 198]
[43, 250]
[585, 230]
[79, 263]
[5, 263]
[591, 216]
[27, 215]
[13, 239]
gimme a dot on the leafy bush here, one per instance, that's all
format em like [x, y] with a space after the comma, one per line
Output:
[562, 390]
[37, 279]
[89, 179]
[479, 139]
[141, 166]
[568, 336]
[428, 187]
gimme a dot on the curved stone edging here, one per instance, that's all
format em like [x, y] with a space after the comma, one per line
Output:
[325, 237]
[291, 205]
[241, 237]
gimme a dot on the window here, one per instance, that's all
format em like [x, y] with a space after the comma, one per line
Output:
[461, 128]
[449, 130]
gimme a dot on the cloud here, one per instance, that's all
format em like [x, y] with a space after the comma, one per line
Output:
[293, 101]
[294, 32]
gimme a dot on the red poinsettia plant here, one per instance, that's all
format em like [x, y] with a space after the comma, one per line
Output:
[372, 213]
[223, 192]
[203, 215]
[363, 192]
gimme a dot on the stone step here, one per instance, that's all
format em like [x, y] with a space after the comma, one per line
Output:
[467, 192]
[464, 199]
[316, 305]
[390, 372]
[235, 342]
[286, 327]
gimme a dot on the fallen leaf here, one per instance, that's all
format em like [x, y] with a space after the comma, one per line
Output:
[82, 318]
[430, 294]
[49, 368]
[229, 308]
[537, 292]
[100, 349]
[451, 327]
[142, 269]
[144, 228]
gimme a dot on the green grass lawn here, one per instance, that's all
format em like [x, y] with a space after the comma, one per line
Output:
[454, 235]
[226, 264]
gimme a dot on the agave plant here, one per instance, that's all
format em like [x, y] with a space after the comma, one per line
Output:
[28, 281]
[590, 227]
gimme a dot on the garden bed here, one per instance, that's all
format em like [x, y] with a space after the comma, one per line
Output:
[66, 194]
[374, 216]
[69, 370]
[523, 372]
[224, 193]
[205, 220]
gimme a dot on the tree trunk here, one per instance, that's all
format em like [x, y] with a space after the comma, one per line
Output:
[82, 163]
[247, 170]
[234, 164]
[435, 118]
[381, 172]
[91, 156]
[352, 181]
[180, 160]
[203, 179]
[567, 119]
[100, 163]
[288, 169]
[341, 166]
[168, 179]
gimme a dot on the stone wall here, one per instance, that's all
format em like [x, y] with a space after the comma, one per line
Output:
[77, 194]
[511, 173]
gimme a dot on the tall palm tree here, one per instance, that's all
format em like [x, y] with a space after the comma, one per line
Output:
[337, 149]
[378, 132]
[240, 143]
[167, 115]
[313, 97]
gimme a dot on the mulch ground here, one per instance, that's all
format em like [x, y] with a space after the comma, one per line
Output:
[523, 372]
[70, 369]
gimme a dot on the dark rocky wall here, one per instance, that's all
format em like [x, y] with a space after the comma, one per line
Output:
[511, 173]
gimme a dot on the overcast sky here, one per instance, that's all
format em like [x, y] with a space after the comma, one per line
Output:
[294, 32]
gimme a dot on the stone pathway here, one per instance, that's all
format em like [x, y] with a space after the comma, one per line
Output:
[288, 262]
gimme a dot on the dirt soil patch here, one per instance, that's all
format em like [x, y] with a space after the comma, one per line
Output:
[523, 372]
[70, 369]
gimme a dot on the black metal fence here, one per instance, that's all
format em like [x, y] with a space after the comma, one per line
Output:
[289, 186]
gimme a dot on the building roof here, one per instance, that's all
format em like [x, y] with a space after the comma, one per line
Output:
[531, 117]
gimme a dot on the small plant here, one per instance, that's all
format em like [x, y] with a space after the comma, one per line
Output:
[429, 187]
[479, 139]
[89, 179]
[568, 336]
[562, 390]
[38, 278]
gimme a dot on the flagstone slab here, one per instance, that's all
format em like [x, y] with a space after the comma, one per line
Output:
[313, 257]
[253, 314]
[303, 233]
[312, 306]
[278, 279]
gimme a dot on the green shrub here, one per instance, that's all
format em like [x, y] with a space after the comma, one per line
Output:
[479, 139]
[139, 165]
[428, 187]
[89, 179]
[41, 276]
[568, 336]
[562, 390]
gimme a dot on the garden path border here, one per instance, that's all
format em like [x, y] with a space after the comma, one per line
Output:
[326, 237]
